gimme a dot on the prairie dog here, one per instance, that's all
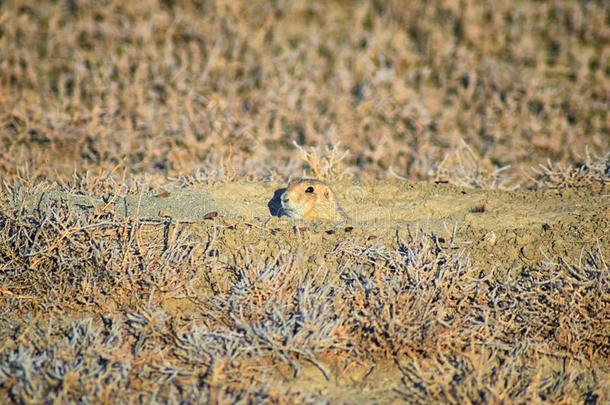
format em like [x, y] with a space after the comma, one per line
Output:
[311, 200]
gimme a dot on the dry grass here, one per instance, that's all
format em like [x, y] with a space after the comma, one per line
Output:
[463, 167]
[178, 87]
[553, 175]
[325, 165]
[117, 98]
[87, 314]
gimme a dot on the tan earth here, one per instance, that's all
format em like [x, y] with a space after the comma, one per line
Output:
[501, 228]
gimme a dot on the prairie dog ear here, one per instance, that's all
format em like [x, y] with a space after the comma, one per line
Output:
[327, 193]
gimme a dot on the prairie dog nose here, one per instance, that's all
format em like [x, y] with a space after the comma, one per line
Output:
[285, 197]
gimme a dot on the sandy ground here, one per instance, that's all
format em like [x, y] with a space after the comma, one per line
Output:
[500, 227]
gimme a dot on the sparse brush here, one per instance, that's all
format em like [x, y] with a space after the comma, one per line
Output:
[464, 167]
[454, 332]
[325, 165]
[410, 300]
[489, 375]
[593, 169]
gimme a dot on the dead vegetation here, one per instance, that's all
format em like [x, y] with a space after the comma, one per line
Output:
[96, 307]
[324, 165]
[145, 97]
[177, 87]
[592, 169]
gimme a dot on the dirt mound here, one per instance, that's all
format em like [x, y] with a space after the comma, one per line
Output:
[501, 228]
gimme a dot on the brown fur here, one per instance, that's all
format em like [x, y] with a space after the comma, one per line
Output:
[318, 205]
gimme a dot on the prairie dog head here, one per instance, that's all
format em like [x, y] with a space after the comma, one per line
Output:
[311, 200]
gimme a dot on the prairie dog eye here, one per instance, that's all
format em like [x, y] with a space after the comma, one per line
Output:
[309, 189]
